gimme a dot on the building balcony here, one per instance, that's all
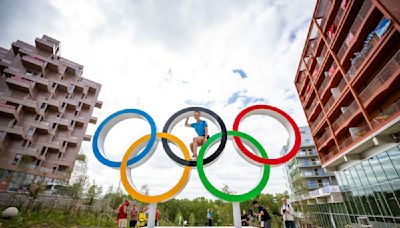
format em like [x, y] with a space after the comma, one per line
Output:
[309, 164]
[99, 104]
[307, 154]
[61, 162]
[33, 63]
[8, 110]
[311, 108]
[345, 116]
[21, 84]
[335, 27]
[93, 120]
[317, 121]
[324, 138]
[26, 104]
[385, 115]
[16, 131]
[329, 103]
[87, 138]
[72, 140]
[382, 80]
[53, 145]
[62, 175]
[363, 57]
[41, 127]
[46, 45]
[355, 30]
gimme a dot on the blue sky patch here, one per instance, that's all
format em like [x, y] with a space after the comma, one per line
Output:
[240, 72]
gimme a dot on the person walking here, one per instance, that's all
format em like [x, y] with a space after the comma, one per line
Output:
[288, 214]
[122, 220]
[265, 218]
[209, 217]
[201, 128]
[134, 216]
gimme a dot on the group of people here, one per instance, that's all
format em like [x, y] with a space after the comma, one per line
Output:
[265, 219]
[137, 216]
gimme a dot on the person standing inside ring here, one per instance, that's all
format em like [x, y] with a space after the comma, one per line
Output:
[201, 128]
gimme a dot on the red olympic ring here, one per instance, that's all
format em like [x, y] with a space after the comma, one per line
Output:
[271, 161]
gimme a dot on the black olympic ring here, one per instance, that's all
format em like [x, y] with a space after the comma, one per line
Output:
[178, 116]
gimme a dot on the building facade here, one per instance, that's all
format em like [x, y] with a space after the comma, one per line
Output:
[311, 187]
[45, 108]
[348, 82]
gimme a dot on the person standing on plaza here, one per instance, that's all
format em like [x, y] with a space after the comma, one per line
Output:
[122, 220]
[288, 214]
[142, 219]
[134, 216]
[209, 217]
[265, 218]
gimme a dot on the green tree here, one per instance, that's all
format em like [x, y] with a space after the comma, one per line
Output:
[178, 219]
[93, 193]
[192, 219]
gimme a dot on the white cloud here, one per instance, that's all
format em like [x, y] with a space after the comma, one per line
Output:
[158, 55]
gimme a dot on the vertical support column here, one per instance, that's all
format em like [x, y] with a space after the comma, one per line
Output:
[237, 222]
[152, 215]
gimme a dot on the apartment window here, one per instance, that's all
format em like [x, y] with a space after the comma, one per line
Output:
[54, 169]
[30, 72]
[72, 123]
[83, 95]
[54, 125]
[59, 155]
[76, 113]
[64, 144]
[30, 131]
[54, 85]
[43, 106]
[16, 159]
[26, 143]
[38, 163]
[14, 122]
[67, 95]
[37, 118]
[43, 151]
[63, 105]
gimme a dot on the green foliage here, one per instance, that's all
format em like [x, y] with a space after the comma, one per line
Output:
[54, 218]
[192, 219]
[92, 193]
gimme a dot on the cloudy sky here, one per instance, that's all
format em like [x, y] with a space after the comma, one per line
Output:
[162, 56]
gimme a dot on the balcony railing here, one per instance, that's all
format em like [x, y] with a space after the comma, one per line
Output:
[317, 120]
[386, 114]
[333, 152]
[331, 34]
[327, 134]
[353, 107]
[309, 163]
[355, 28]
[311, 108]
[360, 132]
[384, 75]
[329, 104]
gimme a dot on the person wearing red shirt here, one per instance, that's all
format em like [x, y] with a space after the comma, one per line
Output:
[122, 220]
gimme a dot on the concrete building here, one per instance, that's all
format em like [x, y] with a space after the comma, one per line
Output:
[310, 186]
[45, 108]
[348, 82]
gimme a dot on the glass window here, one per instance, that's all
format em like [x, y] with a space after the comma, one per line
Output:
[343, 179]
[377, 168]
[355, 177]
[372, 201]
[350, 181]
[364, 201]
[346, 198]
[361, 175]
[394, 155]
[368, 171]
[391, 199]
[358, 203]
[387, 166]
[380, 199]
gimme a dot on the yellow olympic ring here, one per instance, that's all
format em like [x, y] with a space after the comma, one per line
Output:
[167, 195]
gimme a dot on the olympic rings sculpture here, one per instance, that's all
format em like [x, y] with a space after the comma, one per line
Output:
[142, 149]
